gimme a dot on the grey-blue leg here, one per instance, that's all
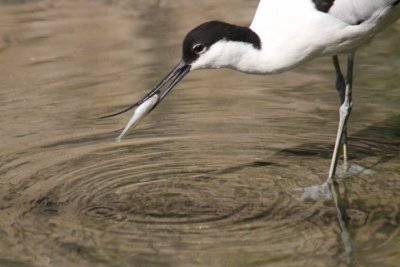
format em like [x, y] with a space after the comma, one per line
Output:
[344, 111]
[341, 88]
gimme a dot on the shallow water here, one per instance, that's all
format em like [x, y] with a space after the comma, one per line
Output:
[215, 176]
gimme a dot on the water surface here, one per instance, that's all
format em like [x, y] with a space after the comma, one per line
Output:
[214, 176]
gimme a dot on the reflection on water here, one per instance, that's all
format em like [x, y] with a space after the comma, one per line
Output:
[211, 177]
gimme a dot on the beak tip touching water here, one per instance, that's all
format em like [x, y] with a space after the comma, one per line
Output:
[153, 98]
[139, 113]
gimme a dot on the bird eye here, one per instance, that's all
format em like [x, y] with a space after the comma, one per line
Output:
[198, 48]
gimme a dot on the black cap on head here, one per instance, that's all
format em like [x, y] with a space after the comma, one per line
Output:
[206, 34]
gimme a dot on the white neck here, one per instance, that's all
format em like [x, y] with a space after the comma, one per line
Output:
[243, 57]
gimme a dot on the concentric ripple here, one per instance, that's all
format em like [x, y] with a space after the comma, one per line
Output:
[156, 200]
[112, 184]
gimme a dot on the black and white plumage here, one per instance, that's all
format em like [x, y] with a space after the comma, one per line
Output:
[282, 35]
[357, 11]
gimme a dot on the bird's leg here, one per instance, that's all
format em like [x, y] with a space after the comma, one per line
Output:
[341, 88]
[342, 204]
[344, 113]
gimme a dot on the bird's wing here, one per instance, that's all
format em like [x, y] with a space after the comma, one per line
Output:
[354, 11]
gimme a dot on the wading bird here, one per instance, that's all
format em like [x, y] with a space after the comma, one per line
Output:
[282, 35]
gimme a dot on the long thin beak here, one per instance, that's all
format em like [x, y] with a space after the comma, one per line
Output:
[153, 98]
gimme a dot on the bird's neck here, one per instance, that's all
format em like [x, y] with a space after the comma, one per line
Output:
[243, 57]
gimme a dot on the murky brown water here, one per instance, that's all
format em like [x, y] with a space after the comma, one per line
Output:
[210, 178]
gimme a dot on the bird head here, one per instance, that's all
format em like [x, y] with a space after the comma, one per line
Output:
[213, 44]
[217, 44]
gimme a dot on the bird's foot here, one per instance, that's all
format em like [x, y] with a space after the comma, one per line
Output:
[314, 192]
[347, 170]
